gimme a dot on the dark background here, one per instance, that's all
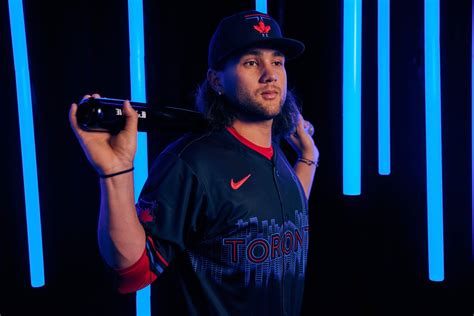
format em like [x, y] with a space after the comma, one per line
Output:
[368, 253]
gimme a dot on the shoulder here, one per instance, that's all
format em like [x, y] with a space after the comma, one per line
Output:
[195, 149]
[191, 147]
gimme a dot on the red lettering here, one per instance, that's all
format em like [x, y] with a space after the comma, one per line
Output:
[284, 247]
[265, 250]
[234, 243]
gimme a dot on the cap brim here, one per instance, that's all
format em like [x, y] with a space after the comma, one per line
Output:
[291, 48]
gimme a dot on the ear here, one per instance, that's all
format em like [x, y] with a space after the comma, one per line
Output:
[213, 77]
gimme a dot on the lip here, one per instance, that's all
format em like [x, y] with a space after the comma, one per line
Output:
[269, 94]
[269, 91]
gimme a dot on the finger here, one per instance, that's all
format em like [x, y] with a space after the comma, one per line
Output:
[292, 138]
[96, 95]
[301, 121]
[87, 96]
[131, 115]
[300, 127]
[73, 119]
[307, 125]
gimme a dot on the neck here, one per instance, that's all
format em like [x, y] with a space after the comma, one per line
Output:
[259, 133]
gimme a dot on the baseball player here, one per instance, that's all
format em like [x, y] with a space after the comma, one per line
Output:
[221, 225]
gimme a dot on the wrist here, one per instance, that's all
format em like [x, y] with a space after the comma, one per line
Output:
[308, 162]
[110, 175]
[115, 167]
[309, 155]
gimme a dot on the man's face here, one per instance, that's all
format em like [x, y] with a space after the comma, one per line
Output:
[255, 82]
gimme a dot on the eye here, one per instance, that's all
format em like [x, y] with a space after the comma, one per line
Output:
[251, 63]
[279, 62]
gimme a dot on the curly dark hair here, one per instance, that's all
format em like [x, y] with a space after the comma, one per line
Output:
[220, 113]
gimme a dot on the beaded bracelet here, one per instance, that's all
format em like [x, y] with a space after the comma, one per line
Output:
[115, 174]
[308, 162]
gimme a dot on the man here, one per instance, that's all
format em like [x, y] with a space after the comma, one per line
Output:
[222, 221]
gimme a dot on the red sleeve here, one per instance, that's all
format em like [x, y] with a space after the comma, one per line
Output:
[137, 276]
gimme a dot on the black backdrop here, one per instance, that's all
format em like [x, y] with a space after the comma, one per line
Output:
[368, 254]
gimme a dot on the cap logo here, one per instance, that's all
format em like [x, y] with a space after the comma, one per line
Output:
[245, 30]
[262, 28]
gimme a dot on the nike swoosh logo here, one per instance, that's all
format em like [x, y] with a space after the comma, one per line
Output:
[238, 184]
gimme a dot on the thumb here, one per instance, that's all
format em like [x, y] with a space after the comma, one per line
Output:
[131, 117]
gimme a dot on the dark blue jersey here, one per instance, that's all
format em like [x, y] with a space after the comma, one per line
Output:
[227, 228]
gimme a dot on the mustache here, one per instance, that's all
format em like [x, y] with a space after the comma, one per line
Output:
[269, 87]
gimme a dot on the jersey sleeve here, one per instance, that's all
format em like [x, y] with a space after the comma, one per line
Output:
[170, 208]
[135, 277]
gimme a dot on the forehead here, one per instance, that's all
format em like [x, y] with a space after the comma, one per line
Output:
[236, 57]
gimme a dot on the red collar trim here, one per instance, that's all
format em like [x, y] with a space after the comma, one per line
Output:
[265, 151]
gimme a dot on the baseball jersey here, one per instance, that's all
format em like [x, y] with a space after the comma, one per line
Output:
[227, 228]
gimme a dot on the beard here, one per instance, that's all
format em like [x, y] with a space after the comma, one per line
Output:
[248, 108]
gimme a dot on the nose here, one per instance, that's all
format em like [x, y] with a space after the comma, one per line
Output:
[268, 74]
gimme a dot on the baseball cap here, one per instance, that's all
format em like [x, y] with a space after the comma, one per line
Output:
[249, 29]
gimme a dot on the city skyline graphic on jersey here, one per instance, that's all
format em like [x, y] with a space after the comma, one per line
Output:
[263, 251]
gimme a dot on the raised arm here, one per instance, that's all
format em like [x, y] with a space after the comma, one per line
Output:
[308, 155]
[120, 235]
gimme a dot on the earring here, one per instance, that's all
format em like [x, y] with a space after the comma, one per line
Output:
[219, 92]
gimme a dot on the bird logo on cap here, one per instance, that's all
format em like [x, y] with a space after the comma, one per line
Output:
[262, 28]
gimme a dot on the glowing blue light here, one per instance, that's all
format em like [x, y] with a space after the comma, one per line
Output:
[434, 166]
[352, 50]
[261, 6]
[383, 45]
[27, 139]
[472, 128]
[138, 89]
[138, 85]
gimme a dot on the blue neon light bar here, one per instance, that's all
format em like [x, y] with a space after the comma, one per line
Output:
[352, 50]
[27, 139]
[261, 6]
[138, 89]
[472, 128]
[383, 46]
[434, 165]
[138, 85]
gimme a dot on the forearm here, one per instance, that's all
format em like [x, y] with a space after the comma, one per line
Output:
[120, 234]
[308, 154]
[305, 174]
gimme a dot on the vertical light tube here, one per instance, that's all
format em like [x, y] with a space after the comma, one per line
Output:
[434, 165]
[27, 139]
[383, 48]
[472, 127]
[261, 6]
[138, 85]
[138, 89]
[351, 86]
